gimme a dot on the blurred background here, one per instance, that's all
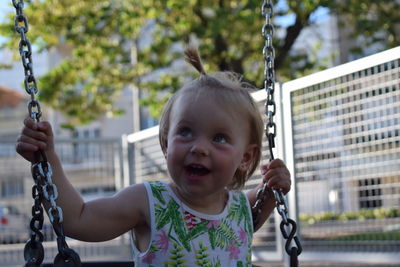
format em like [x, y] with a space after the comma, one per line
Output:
[105, 69]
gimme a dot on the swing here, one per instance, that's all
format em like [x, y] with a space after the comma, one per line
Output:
[43, 187]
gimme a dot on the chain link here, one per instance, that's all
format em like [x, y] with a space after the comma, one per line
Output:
[43, 189]
[270, 132]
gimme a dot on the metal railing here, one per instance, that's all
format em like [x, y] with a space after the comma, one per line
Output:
[342, 143]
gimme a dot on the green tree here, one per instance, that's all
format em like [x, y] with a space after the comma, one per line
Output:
[99, 36]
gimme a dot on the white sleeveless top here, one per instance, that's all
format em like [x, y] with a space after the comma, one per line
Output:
[181, 236]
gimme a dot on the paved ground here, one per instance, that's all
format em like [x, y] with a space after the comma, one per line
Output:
[12, 256]
[326, 264]
[301, 264]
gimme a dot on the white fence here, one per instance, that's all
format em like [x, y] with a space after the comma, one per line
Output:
[342, 144]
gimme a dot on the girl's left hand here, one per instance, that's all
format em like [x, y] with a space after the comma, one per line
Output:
[277, 175]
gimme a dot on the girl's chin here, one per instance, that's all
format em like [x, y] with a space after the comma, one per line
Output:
[195, 178]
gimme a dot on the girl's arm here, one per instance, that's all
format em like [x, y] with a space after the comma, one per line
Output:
[96, 220]
[277, 176]
[99, 219]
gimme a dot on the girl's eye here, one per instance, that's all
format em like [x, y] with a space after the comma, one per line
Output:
[185, 132]
[220, 138]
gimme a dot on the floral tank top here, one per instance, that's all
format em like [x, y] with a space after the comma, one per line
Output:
[181, 236]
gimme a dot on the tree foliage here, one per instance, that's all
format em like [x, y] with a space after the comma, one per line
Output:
[98, 37]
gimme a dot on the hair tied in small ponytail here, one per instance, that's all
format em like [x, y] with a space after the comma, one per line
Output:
[192, 56]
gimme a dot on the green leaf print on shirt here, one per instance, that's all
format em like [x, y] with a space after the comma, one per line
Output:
[171, 215]
[248, 257]
[198, 230]
[176, 257]
[239, 212]
[157, 188]
[212, 237]
[224, 235]
[246, 213]
[203, 258]
[197, 241]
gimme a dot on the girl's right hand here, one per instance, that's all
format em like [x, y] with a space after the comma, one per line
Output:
[34, 136]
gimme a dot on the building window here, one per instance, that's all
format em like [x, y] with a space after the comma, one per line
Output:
[370, 193]
[146, 120]
[12, 188]
[82, 148]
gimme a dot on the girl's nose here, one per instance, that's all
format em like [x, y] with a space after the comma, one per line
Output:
[199, 148]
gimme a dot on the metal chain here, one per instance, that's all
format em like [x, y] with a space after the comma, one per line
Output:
[270, 132]
[41, 171]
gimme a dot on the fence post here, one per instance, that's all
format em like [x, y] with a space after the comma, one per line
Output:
[118, 164]
[125, 160]
[284, 146]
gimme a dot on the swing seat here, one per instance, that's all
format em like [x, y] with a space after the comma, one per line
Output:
[100, 264]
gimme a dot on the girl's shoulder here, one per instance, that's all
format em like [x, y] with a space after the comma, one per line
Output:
[238, 195]
[158, 192]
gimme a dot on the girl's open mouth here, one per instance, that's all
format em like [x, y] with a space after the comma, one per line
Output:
[196, 170]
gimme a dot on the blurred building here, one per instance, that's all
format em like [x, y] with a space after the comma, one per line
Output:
[13, 110]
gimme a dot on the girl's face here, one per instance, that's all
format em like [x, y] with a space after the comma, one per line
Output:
[206, 145]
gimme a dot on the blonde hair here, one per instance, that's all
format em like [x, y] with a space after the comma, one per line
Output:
[228, 90]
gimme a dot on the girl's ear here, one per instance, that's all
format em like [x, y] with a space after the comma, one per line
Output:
[248, 156]
[165, 148]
